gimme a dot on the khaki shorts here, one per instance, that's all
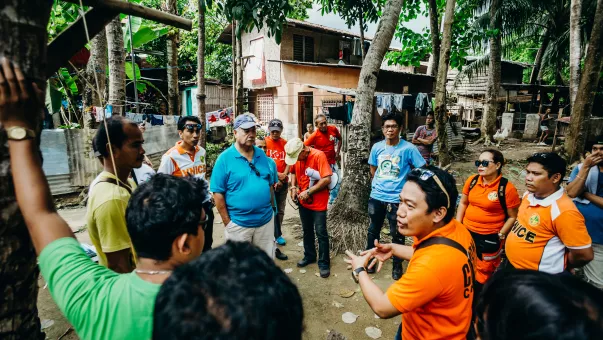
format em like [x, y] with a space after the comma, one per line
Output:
[262, 237]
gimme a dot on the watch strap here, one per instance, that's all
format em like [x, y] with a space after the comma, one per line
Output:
[29, 133]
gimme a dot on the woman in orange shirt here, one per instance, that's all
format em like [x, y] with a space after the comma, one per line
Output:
[487, 218]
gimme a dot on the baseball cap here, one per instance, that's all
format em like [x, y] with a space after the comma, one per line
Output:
[275, 125]
[293, 148]
[244, 122]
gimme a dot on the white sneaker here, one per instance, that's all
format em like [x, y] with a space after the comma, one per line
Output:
[542, 144]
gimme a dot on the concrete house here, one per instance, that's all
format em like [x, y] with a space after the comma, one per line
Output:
[314, 67]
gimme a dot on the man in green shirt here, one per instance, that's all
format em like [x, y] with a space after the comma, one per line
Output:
[164, 219]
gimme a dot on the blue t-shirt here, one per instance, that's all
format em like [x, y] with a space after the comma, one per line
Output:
[247, 194]
[593, 215]
[393, 164]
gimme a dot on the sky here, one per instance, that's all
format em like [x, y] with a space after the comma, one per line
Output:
[334, 21]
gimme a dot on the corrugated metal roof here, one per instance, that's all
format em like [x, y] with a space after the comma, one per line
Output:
[293, 62]
[347, 91]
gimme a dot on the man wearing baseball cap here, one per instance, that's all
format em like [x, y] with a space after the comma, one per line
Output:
[275, 149]
[312, 200]
[242, 182]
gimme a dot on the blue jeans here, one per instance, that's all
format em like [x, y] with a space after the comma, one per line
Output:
[333, 194]
[378, 211]
[315, 221]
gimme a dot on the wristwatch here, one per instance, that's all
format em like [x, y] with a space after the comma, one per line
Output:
[502, 236]
[20, 133]
[356, 272]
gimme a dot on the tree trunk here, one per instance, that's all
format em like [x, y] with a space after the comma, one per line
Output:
[440, 87]
[117, 71]
[575, 48]
[23, 38]
[201, 72]
[361, 23]
[348, 218]
[493, 89]
[234, 69]
[583, 105]
[536, 75]
[239, 71]
[434, 26]
[96, 78]
[172, 67]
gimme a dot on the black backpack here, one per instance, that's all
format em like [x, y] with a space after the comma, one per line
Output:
[502, 187]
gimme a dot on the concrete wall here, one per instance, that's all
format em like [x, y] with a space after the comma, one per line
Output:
[70, 165]
[272, 51]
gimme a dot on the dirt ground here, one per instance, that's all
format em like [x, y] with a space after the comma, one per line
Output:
[323, 303]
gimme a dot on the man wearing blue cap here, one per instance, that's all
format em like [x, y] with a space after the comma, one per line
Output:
[242, 182]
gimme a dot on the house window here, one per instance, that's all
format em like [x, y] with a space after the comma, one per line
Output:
[303, 48]
[265, 108]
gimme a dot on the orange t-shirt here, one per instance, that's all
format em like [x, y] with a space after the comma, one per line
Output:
[325, 142]
[276, 151]
[484, 214]
[436, 292]
[318, 161]
[542, 232]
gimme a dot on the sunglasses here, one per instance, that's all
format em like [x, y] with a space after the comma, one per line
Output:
[425, 174]
[203, 223]
[191, 127]
[257, 172]
[483, 163]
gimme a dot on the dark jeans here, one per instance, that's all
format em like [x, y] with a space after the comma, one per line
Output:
[378, 211]
[281, 204]
[311, 221]
[209, 226]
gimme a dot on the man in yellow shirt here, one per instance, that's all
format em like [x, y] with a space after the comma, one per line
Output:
[110, 192]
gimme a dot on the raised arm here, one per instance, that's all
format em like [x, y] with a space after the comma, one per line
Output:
[21, 106]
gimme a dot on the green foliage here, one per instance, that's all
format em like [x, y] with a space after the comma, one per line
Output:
[143, 31]
[61, 16]
[300, 9]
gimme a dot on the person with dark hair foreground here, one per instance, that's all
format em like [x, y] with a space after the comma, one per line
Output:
[435, 294]
[488, 209]
[549, 234]
[164, 218]
[120, 153]
[234, 291]
[526, 305]
[390, 160]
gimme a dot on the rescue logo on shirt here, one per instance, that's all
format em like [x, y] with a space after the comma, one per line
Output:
[493, 196]
[331, 138]
[389, 166]
[194, 171]
[534, 220]
[275, 154]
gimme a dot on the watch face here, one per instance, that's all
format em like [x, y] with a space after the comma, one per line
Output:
[18, 133]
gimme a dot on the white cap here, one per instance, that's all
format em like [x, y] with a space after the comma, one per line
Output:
[293, 148]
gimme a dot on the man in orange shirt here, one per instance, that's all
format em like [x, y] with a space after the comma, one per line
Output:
[324, 139]
[435, 294]
[275, 149]
[312, 200]
[549, 234]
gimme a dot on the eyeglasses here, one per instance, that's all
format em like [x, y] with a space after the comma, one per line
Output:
[257, 172]
[390, 127]
[425, 174]
[276, 124]
[203, 223]
[191, 127]
[482, 163]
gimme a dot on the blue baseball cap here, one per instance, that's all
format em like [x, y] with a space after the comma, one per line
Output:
[244, 122]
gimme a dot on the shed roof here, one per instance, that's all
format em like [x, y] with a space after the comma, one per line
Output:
[345, 91]
[305, 63]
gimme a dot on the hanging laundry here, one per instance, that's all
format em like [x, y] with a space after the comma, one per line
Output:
[422, 104]
[357, 47]
[108, 111]
[349, 108]
[387, 102]
[156, 120]
[339, 113]
[398, 102]
[99, 113]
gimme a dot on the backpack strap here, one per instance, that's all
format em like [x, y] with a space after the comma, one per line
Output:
[502, 199]
[445, 241]
[473, 182]
[115, 182]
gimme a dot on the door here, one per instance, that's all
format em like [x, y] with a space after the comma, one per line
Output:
[305, 114]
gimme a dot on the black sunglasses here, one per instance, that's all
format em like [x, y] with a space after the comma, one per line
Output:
[203, 223]
[254, 168]
[425, 174]
[482, 163]
[191, 127]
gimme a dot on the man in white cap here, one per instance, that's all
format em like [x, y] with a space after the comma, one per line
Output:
[312, 200]
[242, 182]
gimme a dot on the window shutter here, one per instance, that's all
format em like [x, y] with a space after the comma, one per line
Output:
[309, 49]
[298, 47]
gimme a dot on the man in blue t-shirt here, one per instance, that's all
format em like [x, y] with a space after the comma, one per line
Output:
[242, 181]
[390, 161]
[586, 187]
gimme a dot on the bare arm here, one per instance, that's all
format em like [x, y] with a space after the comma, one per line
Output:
[376, 299]
[579, 257]
[373, 170]
[20, 106]
[594, 199]
[510, 221]
[463, 204]
[320, 185]
[402, 251]
[221, 206]
[120, 261]
[577, 187]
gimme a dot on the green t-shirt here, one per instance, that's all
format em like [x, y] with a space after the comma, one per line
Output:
[99, 303]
